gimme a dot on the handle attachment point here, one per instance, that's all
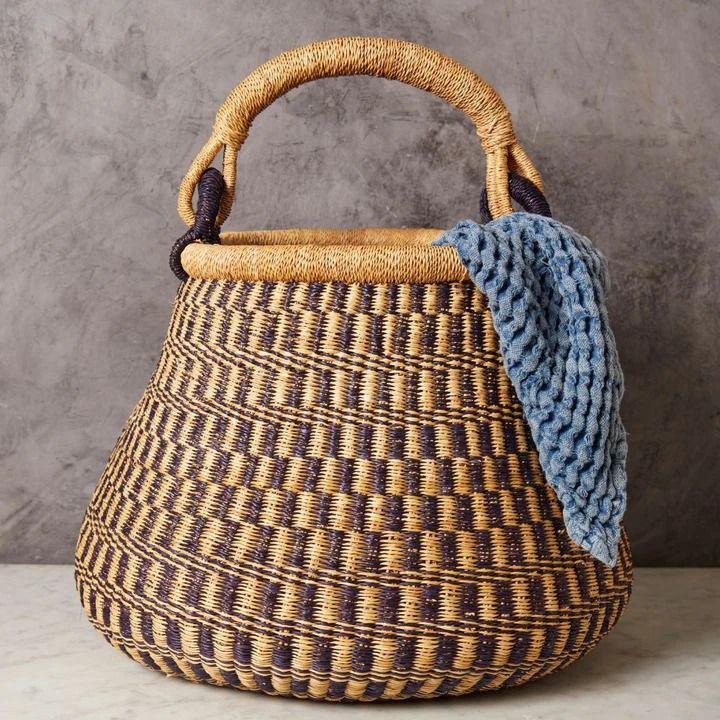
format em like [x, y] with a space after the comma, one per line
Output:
[522, 191]
[211, 189]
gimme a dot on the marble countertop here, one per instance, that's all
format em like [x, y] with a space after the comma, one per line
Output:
[662, 661]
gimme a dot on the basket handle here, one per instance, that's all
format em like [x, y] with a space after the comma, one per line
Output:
[407, 62]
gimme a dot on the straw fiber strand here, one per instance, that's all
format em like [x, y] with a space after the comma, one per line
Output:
[329, 490]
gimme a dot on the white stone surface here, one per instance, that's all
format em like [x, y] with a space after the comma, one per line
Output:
[662, 661]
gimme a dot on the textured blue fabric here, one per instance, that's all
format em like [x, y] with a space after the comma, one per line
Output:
[546, 287]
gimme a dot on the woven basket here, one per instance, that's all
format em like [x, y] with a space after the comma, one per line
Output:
[328, 488]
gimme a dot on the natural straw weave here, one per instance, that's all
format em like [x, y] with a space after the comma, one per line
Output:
[329, 489]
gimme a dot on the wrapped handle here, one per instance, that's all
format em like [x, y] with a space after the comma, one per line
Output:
[407, 62]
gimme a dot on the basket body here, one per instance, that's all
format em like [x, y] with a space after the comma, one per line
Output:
[328, 490]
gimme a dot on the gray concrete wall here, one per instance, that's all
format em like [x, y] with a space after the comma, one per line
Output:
[103, 105]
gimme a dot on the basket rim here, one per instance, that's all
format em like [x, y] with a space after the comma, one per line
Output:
[377, 255]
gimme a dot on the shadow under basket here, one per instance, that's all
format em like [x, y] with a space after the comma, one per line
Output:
[329, 489]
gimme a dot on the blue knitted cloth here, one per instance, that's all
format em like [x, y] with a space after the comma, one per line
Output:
[546, 286]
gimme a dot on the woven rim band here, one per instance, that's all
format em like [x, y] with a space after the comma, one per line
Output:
[373, 255]
[392, 59]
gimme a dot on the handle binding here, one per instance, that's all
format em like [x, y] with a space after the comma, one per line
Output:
[210, 191]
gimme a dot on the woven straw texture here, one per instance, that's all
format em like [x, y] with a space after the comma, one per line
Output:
[329, 490]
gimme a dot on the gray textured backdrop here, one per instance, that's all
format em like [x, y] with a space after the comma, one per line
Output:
[103, 106]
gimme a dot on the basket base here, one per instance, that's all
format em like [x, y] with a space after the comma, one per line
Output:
[312, 685]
